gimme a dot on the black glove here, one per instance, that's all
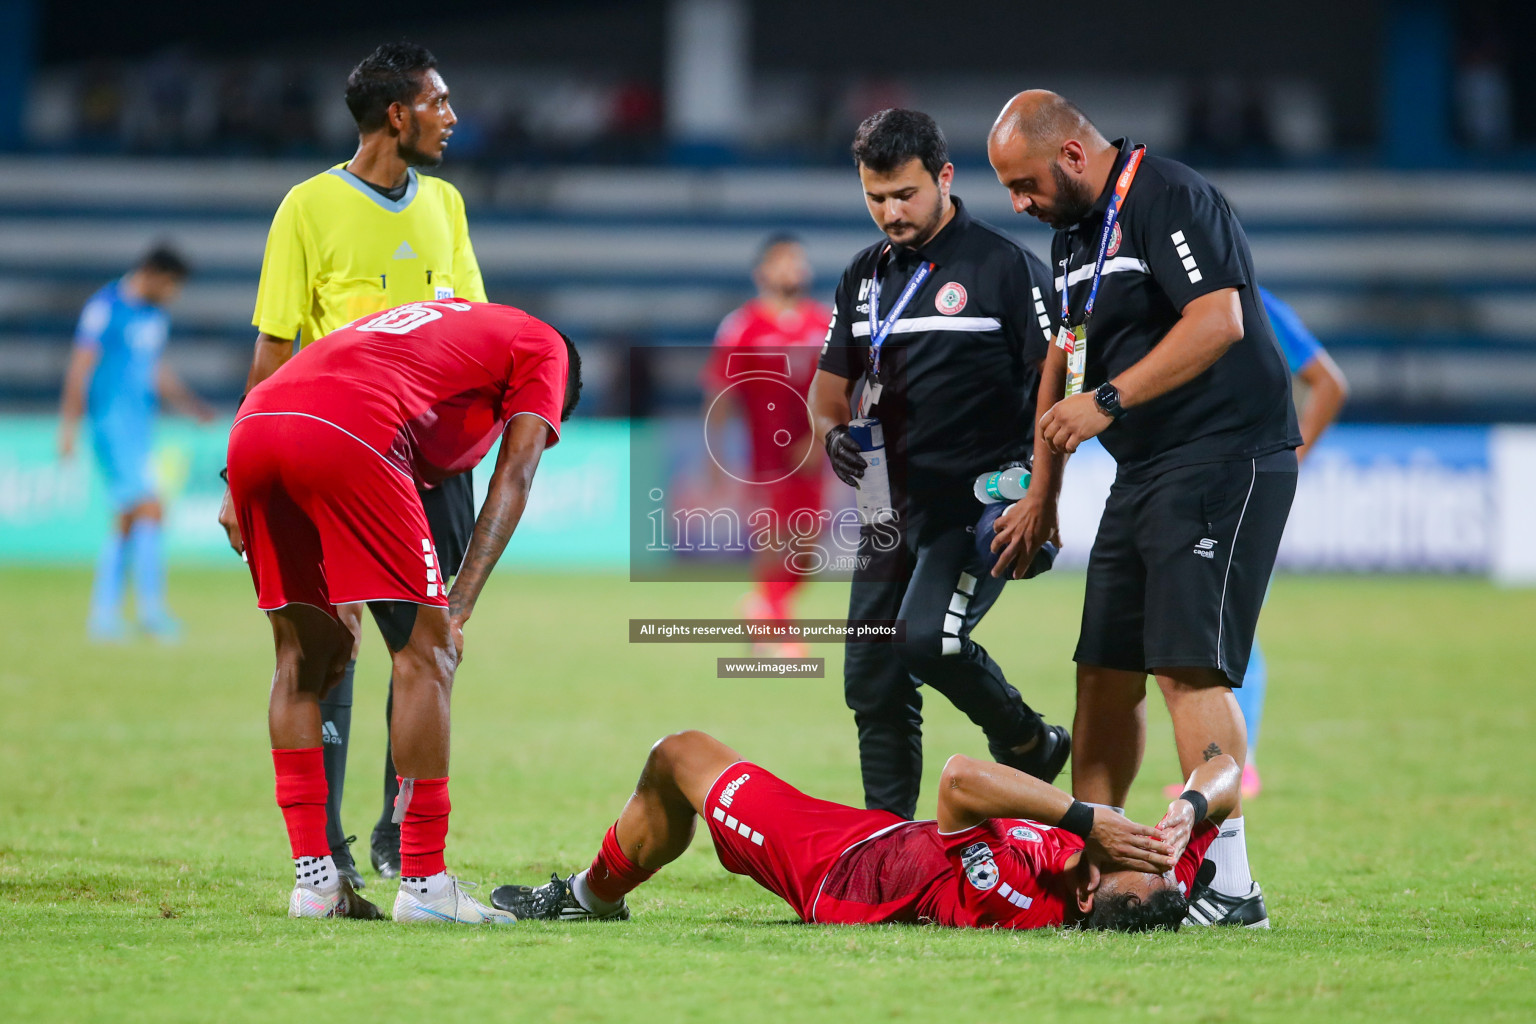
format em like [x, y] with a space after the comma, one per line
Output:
[847, 460]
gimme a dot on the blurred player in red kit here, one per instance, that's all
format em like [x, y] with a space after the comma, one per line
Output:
[1005, 851]
[761, 369]
[325, 460]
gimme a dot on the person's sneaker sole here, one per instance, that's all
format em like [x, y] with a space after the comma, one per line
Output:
[1054, 760]
[358, 908]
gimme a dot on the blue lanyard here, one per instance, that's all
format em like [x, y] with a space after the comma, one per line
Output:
[879, 329]
[1122, 186]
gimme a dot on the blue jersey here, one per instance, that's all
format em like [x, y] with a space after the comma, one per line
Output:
[128, 335]
[1299, 344]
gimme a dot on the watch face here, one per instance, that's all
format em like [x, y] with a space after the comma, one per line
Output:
[1108, 400]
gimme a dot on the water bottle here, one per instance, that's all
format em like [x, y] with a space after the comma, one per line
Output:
[1004, 485]
[874, 488]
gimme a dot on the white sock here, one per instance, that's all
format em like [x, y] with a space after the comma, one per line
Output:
[316, 872]
[587, 898]
[1117, 810]
[1230, 854]
[428, 885]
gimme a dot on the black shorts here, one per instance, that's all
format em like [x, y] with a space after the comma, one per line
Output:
[1179, 568]
[450, 508]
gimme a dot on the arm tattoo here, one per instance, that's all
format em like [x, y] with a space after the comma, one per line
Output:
[493, 529]
[1212, 751]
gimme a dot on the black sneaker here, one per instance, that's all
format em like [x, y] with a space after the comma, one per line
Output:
[345, 865]
[553, 901]
[384, 852]
[1208, 907]
[1045, 759]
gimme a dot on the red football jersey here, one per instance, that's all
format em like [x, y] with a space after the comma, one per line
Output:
[1002, 873]
[427, 385]
[769, 386]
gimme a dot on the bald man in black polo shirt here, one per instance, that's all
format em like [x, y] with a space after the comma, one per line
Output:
[947, 360]
[1169, 359]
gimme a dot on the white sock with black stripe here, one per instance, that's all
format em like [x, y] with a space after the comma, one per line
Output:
[1230, 855]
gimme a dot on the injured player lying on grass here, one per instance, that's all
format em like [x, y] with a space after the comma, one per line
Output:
[1006, 851]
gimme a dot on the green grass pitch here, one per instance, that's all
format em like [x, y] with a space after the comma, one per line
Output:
[144, 870]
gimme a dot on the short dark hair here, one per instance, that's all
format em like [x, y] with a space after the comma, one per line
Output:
[390, 74]
[572, 379]
[165, 259]
[890, 138]
[1164, 910]
[775, 240]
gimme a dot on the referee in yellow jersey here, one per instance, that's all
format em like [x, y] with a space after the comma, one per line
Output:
[365, 236]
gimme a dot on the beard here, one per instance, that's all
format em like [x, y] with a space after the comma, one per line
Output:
[1072, 203]
[917, 233]
[408, 148]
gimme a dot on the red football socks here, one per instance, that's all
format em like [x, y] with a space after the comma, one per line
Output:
[612, 874]
[424, 832]
[301, 793]
[775, 595]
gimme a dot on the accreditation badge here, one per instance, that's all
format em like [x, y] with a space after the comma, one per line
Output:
[870, 395]
[1074, 341]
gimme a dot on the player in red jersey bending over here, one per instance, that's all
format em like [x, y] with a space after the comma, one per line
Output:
[324, 462]
[1002, 853]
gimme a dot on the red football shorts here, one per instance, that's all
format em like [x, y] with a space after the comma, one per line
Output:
[325, 519]
[768, 830]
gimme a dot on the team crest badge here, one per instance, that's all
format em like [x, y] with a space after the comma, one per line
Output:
[951, 298]
[1114, 240]
[1024, 835]
[980, 867]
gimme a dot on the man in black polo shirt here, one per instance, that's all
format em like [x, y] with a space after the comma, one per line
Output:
[1177, 371]
[955, 394]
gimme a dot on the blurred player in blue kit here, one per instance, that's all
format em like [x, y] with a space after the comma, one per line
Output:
[115, 381]
[1326, 392]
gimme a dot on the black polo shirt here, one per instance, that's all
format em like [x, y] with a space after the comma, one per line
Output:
[1175, 240]
[961, 367]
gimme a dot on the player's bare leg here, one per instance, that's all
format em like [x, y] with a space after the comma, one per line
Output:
[657, 822]
[655, 827]
[312, 651]
[1207, 723]
[1109, 734]
[418, 730]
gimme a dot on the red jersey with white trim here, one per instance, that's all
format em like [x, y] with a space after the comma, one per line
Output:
[428, 385]
[1001, 873]
[789, 345]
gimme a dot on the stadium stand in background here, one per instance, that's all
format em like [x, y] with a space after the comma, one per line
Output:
[621, 162]
[1424, 286]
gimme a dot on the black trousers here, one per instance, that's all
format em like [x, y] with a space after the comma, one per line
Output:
[935, 583]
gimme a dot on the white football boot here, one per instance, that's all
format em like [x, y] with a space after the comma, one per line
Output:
[322, 891]
[442, 897]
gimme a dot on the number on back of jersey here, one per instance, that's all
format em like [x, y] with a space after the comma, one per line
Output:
[404, 319]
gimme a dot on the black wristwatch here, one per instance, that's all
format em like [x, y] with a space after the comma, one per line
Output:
[1107, 398]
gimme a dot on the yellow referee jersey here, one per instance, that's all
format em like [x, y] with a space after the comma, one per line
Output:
[339, 250]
